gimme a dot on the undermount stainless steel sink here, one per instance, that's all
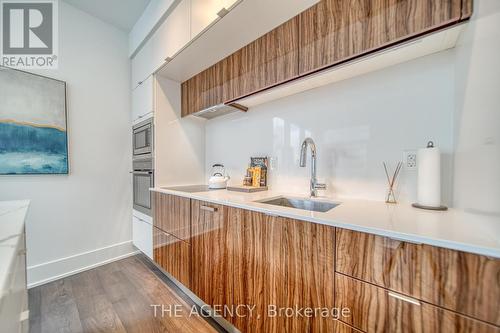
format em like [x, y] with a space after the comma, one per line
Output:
[304, 204]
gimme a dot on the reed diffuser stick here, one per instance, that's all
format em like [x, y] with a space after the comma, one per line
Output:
[391, 196]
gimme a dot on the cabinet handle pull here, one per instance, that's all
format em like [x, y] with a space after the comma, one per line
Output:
[209, 209]
[24, 316]
[404, 298]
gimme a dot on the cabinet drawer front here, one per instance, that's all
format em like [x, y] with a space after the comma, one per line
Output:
[172, 254]
[462, 282]
[172, 215]
[375, 309]
[379, 260]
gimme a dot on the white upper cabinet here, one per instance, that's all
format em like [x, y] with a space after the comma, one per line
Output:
[204, 12]
[142, 99]
[170, 37]
[173, 34]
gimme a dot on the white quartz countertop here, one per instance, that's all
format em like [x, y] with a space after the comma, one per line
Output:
[453, 229]
[12, 216]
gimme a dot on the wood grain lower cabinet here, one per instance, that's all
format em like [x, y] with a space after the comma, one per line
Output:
[379, 260]
[340, 327]
[173, 255]
[463, 282]
[375, 309]
[172, 214]
[333, 31]
[211, 267]
[281, 263]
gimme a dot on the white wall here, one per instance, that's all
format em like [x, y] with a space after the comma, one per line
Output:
[477, 134]
[357, 124]
[90, 208]
[179, 142]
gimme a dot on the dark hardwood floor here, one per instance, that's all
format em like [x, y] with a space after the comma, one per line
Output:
[116, 297]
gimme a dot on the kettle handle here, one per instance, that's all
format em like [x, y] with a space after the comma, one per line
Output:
[217, 165]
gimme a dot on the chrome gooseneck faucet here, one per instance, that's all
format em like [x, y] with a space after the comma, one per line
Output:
[314, 186]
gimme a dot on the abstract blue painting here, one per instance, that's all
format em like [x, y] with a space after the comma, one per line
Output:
[33, 134]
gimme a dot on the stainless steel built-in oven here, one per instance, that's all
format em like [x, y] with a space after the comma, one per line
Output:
[142, 138]
[143, 179]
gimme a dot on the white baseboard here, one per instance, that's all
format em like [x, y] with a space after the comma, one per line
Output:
[59, 268]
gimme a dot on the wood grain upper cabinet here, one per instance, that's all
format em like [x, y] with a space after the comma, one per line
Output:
[333, 31]
[202, 90]
[267, 61]
[211, 249]
[279, 263]
[172, 214]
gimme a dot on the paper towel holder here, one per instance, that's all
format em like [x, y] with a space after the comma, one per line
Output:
[430, 144]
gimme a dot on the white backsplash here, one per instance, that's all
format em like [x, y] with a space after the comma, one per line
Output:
[356, 124]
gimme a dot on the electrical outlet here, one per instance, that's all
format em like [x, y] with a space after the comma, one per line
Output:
[273, 163]
[410, 159]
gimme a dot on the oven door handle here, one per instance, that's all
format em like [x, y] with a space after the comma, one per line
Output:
[141, 172]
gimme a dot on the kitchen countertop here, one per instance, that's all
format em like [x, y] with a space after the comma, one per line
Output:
[12, 216]
[454, 229]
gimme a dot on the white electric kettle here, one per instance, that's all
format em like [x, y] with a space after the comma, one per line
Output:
[218, 179]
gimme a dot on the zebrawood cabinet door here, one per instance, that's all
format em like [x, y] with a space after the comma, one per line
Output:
[280, 263]
[463, 282]
[267, 61]
[379, 260]
[172, 254]
[172, 214]
[340, 327]
[211, 269]
[333, 31]
[375, 309]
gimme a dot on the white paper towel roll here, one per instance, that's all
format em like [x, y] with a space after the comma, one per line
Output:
[429, 176]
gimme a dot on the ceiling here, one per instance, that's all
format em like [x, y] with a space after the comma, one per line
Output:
[121, 13]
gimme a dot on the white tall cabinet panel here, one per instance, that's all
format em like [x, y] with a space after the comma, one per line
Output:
[142, 64]
[204, 12]
[142, 236]
[142, 99]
